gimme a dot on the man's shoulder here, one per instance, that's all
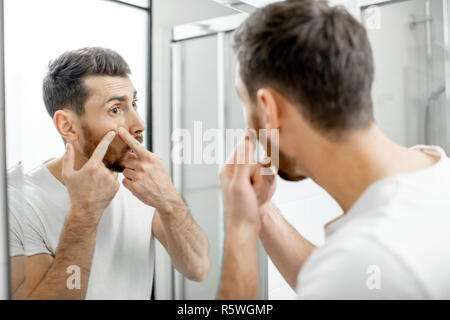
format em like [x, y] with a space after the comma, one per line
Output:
[351, 268]
[405, 237]
[19, 177]
[33, 191]
[406, 203]
[407, 221]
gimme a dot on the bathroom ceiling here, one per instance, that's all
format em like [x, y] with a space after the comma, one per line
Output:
[248, 6]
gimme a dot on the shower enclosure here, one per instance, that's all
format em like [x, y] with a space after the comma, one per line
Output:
[204, 100]
[412, 84]
[410, 42]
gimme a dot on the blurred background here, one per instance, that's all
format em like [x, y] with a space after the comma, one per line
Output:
[183, 68]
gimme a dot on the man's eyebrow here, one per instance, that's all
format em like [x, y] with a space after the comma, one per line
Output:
[120, 98]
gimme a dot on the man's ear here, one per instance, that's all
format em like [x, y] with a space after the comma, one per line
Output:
[267, 98]
[66, 124]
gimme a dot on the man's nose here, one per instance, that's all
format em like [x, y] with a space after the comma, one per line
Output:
[135, 123]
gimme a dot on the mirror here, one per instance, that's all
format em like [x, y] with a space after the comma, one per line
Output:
[37, 32]
[197, 68]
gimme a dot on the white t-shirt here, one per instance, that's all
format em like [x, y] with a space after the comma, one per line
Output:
[394, 243]
[123, 260]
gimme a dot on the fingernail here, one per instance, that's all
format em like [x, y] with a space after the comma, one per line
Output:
[113, 133]
[121, 130]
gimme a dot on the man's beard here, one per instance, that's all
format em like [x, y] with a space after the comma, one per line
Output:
[113, 159]
[286, 164]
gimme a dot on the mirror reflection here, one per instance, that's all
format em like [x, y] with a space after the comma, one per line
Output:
[119, 118]
[86, 197]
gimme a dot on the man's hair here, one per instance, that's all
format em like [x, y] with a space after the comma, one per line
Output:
[318, 56]
[64, 85]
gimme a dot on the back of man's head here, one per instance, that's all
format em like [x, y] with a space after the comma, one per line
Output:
[63, 85]
[318, 56]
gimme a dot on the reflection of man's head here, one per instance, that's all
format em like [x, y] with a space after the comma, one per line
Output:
[88, 92]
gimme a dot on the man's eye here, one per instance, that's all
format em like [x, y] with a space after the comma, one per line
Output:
[115, 110]
[135, 103]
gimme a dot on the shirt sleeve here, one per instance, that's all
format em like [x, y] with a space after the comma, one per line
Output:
[16, 245]
[16, 226]
[26, 230]
[358, 269]
[34, 233]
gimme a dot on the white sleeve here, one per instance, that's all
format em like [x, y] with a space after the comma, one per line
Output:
[26, 230]
[16, 245]
[34, 233]
[16, 224]
[360, 268]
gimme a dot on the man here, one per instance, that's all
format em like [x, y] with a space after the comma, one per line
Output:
[305, 72]
[89, 234]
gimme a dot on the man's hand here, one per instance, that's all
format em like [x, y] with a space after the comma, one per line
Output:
[244, 188]
[147, 178]
[263, 184]
[93, 186]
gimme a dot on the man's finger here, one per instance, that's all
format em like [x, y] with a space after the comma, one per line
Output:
[130, 174]
[229, 165]
[245, 154]
[253, 140]
[133, 164]
[138, 148]
[68, 160]
[100, 151]
[127, 183]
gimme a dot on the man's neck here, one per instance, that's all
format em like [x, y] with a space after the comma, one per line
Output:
[350, 167]
[55, 165]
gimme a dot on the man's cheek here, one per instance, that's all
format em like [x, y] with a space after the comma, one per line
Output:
[116, 148]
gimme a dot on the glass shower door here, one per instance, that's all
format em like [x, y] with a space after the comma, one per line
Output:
[205, 106]
[194, 111]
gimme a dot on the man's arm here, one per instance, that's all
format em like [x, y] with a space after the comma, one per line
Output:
[47, 276]
[287, 249]
[239, 278]
[147, 178]
[185, 242]
[242, 222]
[18, 277]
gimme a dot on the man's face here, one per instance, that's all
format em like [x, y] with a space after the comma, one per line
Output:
[287, 167]
[111, 104]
